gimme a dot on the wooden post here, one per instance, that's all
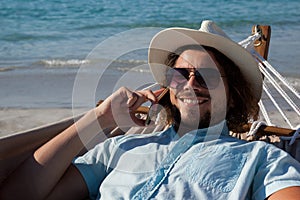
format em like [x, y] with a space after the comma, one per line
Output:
[262, 44]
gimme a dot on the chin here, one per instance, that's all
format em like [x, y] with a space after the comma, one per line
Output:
[196, 121]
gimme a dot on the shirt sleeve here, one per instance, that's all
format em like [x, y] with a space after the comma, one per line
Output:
[278, 171]
[93, 166]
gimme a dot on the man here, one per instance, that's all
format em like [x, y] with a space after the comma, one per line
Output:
[208, 77]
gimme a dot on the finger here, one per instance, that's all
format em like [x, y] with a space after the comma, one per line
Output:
[143, 96]
[132, 99]
[139, 99]
[149, 95]
[128, 96]
[158, 92]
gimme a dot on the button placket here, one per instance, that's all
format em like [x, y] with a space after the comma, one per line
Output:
[165, 167]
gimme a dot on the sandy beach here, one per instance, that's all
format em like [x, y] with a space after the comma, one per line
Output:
[14, 120]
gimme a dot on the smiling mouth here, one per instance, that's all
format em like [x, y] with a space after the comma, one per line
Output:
[193, 101]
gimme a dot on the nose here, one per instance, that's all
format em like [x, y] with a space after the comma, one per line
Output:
[191, 82]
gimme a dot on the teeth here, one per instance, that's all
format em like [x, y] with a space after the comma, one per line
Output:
[191, 101]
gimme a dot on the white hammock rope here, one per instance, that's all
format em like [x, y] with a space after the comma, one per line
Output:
[264, 113]
[248, 43]
[267, 91]
[279, 76]
[280, 90]
[150, 86]
[254, 128]
[269, 72]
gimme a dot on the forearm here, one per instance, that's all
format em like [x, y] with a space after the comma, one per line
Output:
[42, 171]
[39, 174]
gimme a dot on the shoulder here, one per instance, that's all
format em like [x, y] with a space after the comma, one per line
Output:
[273, 169]
[261, 153]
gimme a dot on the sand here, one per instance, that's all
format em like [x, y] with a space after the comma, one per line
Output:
[13, 120]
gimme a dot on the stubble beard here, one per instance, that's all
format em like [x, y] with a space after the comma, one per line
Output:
[192, 119]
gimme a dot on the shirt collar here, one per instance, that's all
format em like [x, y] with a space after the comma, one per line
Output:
[218, 129]
[215, 130]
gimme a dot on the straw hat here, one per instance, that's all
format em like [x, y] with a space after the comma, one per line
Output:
[209, 34]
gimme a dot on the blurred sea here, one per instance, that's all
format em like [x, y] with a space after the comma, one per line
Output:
[43, 44]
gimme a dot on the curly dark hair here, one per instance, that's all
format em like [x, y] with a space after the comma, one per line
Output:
[245, 106]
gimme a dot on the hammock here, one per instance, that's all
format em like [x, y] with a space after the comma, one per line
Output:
[273, 78]
[277, 91]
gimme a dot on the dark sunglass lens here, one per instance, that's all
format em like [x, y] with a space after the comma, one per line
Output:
[200, 79]
[182, 72]
[176, 77]
[208, 78]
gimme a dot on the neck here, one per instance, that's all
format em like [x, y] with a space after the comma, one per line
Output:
[182, 128]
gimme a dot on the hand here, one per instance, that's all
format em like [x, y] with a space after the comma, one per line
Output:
[119, 108]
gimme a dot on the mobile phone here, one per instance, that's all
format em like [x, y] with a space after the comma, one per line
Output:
[155, 108]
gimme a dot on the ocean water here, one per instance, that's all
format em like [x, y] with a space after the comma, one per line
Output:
[44, 45]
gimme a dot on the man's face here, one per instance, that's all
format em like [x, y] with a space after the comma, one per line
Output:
[200, 105]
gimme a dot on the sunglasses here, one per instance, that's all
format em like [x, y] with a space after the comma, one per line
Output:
[208, 78]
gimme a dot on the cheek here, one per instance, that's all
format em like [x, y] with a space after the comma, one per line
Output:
[172, 97]
[219, 98]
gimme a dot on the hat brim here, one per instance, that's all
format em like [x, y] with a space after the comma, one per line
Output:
[169, 40]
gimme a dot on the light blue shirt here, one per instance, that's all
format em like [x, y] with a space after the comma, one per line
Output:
[203, 164]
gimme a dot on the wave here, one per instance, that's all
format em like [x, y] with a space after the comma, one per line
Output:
[17, 37]
[59, 62]
[86, 62]
[9, 68]
[131, 61]
[141, 70]
[120, 65]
